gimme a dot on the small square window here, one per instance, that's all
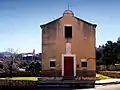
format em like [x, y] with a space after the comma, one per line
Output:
[84, 64]
[52, 64]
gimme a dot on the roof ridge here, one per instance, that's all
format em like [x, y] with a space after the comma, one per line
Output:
[62, 17]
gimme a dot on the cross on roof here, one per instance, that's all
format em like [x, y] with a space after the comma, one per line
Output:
[68, 6]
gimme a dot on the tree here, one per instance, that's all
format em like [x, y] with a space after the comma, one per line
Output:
[40, 56]
[24, 64]
[109, 53]
[37, 67]
[10, 61]
[34, 67]
[98, 55]
[1, 67]
[118, 51]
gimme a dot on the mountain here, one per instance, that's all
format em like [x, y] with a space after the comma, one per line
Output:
[5, 53]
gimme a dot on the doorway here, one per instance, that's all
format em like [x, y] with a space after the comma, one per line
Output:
[68, 65]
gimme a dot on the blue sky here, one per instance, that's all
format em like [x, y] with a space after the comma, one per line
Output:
[20, 20]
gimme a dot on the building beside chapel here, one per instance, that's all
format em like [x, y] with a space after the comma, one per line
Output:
[68, 47]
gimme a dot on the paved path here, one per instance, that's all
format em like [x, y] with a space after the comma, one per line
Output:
[97, 87]
[108, 81]
[107, 87]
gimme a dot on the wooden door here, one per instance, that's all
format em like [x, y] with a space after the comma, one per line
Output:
[68, 66]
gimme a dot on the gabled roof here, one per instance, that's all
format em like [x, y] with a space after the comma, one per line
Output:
[50, 22]
[86, 21]
[67, 12]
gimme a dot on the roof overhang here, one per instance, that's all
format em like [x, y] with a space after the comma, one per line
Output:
[43, 25]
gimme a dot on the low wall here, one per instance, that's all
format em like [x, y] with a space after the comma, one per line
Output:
[16, 83]
[20, 74]
[88, 73]
[109, 68]
[47, 73]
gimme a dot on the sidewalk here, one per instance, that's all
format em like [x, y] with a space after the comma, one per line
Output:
[108, 81]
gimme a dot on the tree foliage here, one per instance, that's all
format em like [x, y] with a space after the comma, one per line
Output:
[34, 67]
[110, 53]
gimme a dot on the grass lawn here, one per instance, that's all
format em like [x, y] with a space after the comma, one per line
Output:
[102, 77]
[21, 78]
